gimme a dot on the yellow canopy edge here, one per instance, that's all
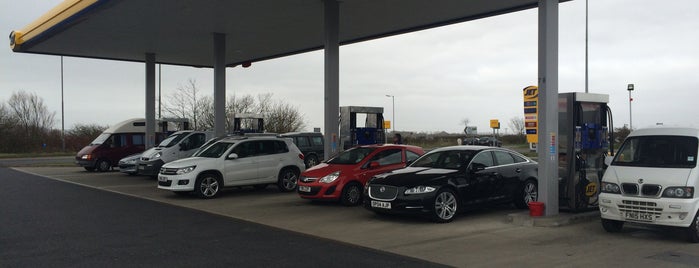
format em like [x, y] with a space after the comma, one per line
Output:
[55, 16]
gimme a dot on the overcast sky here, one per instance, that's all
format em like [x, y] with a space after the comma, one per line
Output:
[474, 70]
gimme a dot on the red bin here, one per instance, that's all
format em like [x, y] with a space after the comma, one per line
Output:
[536, 209]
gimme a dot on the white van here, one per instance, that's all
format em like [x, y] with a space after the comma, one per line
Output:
[652, 180]
[179, 145]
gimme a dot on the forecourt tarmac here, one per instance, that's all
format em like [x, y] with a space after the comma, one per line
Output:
[480, 238]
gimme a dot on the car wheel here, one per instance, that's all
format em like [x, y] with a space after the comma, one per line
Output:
[612, 226]
[351, 194]
[103, 166]
[311, 160]
[288, 178]
[693, 229]
[207, 186]
[89, 168]
[446, 204]
[528, 192]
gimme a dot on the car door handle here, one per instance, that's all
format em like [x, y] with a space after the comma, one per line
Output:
[518, 170]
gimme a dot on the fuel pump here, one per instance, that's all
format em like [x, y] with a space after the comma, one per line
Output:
[584, 139]
[353, 134]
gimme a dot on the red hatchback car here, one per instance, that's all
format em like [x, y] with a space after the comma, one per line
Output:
[343, 177]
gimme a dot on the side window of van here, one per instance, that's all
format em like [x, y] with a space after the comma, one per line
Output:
[117, 140]
[138, 139]
[198, 140]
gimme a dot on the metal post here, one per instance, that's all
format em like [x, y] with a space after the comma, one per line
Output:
[150, 100]
[219, 84]
[548, 106]
[63, 118]
[630, 88]
[393, 108]
[586, 80]
[160, 91]
[332, 77]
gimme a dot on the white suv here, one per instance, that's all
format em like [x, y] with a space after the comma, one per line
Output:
[235, 161]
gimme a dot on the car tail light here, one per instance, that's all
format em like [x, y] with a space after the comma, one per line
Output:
[301, 156]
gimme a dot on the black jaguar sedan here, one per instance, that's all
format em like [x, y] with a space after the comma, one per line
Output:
[442, 182]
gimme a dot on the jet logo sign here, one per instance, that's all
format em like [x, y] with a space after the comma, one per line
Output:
[531, 112]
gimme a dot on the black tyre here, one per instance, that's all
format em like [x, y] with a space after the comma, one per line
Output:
[288, 179]
[693, 229]
[528, 192]
[351, 194]
[207, 186]
[446, 205]
[311, 160]
[103, 165]
[612, 226]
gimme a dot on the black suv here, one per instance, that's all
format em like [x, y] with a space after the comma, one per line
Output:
[310, 144]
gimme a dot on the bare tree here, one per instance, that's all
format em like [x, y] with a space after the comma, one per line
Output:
[185, 102]
[283, 117]
[517, 125]
[30, 112]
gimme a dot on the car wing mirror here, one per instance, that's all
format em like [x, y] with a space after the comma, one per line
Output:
[374, 164]
[233, 156]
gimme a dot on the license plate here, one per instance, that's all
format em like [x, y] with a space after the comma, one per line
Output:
[638, 216]
[162, 178]
[380, 204]
[305, 189]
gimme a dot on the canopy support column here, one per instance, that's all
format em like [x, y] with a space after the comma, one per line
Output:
[547, 148]
[219, 84]
[332, 77]
[150, 100]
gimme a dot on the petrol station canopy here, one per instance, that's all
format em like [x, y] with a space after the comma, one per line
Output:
[179, 32]
[226, 33]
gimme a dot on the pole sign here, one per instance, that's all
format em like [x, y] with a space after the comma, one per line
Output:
[494, 123]
[531, 113]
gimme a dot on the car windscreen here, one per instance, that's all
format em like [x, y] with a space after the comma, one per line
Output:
[101, 139]
[216, 150]
[452, 159]
[658, 151]
[351, 156]
[172, 139]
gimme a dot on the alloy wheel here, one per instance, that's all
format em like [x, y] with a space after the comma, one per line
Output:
[445, 205]
[209, 187]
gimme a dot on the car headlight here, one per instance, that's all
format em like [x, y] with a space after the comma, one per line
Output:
[86, 157]
[610, 188]
[157, 155]
[679, 192]
[420, 190]
[185, 170]
[330, 177]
